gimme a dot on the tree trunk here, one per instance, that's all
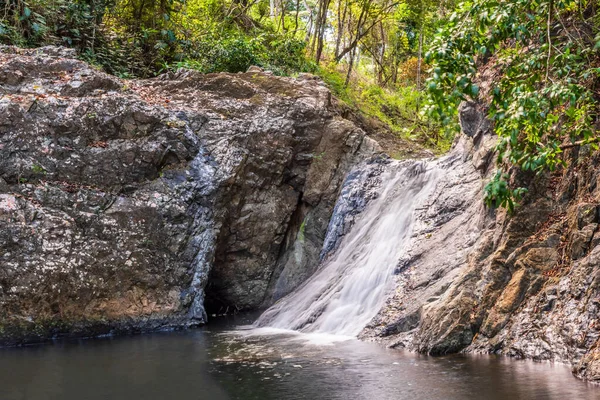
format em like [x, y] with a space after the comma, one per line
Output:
[419, 62]
[282, 15]
[341, 23]
[420, 59]
[381, 67]
[309, 26]
[296, 17]
[320, 31]
[350, 65]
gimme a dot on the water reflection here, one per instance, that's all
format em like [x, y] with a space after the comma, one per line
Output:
[160, 366]
[214, 366]
[357, 370]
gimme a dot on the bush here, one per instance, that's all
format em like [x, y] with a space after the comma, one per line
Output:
[397, 107]
[237, 52]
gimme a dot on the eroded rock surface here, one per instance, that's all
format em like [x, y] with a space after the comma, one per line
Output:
[119, 198]
[445, 235]
[524, 285]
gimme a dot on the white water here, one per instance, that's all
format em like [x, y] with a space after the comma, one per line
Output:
[350, 287]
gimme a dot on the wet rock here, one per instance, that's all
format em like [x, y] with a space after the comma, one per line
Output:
[424, 313]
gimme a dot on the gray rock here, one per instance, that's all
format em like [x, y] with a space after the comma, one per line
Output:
[120, 200]
[523, 285]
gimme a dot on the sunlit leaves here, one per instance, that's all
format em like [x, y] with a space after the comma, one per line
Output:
[543, 97]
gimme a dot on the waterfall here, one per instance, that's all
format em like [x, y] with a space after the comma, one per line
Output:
[350, 286]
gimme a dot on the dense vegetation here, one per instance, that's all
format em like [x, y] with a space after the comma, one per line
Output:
[544, 97]
[369, 51]
[542, 56]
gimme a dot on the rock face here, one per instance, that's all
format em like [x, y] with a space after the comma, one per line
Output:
[541, 297]
[124, 204]
[524, 285]
[118, 199]
[445, 235]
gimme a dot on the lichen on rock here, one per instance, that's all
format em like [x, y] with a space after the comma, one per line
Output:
[118, 199]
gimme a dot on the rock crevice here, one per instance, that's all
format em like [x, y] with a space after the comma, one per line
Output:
[120, 199]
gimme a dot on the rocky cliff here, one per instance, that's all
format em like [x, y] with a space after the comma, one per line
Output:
[134, 205]
[119, 199]
[478, 280]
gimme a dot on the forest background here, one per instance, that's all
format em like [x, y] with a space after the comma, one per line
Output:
[369, 52]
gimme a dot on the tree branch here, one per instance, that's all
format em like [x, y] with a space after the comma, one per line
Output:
[579, 143]
[361, 34]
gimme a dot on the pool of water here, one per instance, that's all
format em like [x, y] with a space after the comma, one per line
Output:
[219, 364]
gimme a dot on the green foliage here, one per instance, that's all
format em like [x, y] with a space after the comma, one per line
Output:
[285, 55]
[337, 83]
[38, 169]
[282, 55]
[301, 231]
[36, 22]
[143, 38]
[84, 25]
[545, 52]
[234, 54]
[498, 193]
[397, 108]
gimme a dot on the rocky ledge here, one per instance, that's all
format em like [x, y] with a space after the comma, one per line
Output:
[477, 280]
[118, 199]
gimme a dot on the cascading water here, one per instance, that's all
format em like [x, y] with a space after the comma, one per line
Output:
[350, 286]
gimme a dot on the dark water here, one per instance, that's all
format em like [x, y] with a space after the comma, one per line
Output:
[214, 366]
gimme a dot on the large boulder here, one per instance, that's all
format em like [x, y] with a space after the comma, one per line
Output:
[118, 199]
